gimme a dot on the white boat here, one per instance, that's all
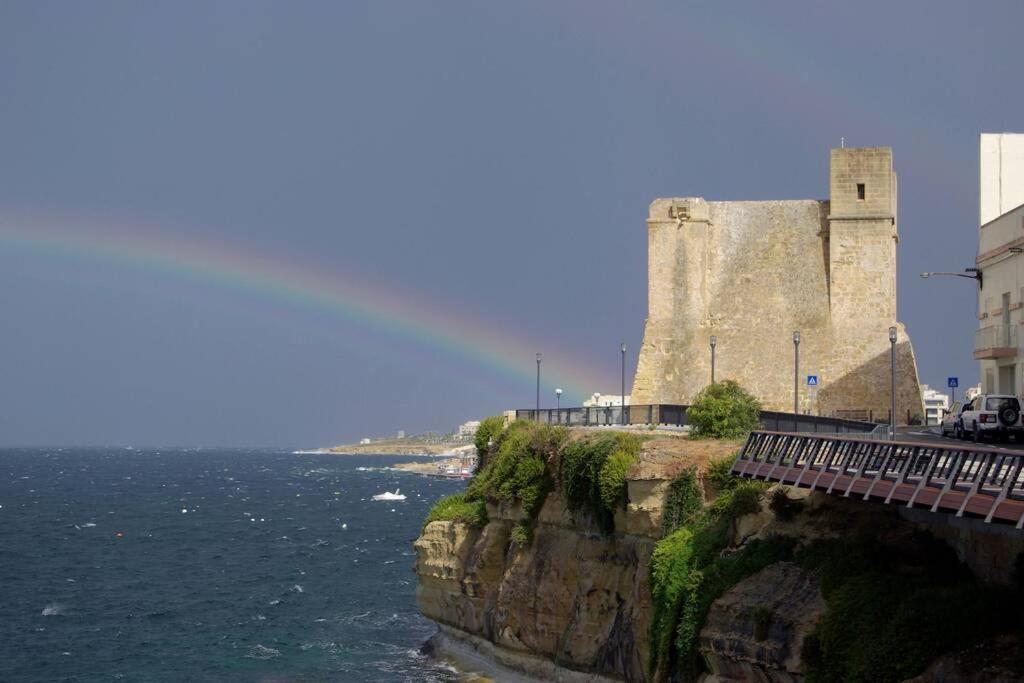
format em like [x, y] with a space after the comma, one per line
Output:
[387, 495]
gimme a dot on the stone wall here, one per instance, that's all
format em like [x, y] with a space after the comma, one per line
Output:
[752, 273]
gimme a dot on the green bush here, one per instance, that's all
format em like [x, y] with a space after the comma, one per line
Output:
[517, 469]
[892, 610]
[486, 435]
[687, 573]
[456, 508]
[719, 473]
[683, 501]
[521, 534]
[592, 473]
[724, 410]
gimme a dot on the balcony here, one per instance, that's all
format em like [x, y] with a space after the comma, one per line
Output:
[995, 341]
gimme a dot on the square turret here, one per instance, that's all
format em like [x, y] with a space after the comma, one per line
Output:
[862, 184]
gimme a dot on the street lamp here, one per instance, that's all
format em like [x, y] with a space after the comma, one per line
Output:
[796, 376]
[622, 348]
[892, 357]
[558, 399]
[969, 273]
[714, 341]
[537, 414]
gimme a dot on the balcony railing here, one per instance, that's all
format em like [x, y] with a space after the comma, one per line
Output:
[995, 341]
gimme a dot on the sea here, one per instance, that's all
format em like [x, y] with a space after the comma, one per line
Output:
[210, 565]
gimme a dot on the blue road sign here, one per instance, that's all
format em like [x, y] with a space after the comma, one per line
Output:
[812, 380]
[953, 382]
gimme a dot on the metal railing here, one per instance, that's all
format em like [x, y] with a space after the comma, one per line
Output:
[995, 337]
[676, 415]
[960, 480]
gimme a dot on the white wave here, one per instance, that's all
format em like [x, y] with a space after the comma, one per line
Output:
[53, 610]
[262, 652]
[297, 589]
[88, 525]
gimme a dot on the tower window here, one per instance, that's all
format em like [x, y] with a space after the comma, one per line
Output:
[860, 190]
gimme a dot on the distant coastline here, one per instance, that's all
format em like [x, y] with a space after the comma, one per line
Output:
[406, 446]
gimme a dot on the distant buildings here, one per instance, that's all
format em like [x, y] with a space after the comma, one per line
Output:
[1000, 244]
[604, 400]
[364, 441]
[401, 434]
[935, 404]
[467, 430]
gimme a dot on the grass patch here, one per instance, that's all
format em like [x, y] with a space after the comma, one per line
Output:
[592, 473]
[456, 508]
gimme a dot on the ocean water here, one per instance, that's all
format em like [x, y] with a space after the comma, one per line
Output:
[210, 565]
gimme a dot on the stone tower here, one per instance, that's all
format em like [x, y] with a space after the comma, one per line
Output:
[752, 273]
[862, 235]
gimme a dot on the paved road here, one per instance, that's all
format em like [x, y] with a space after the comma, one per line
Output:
[931, 435]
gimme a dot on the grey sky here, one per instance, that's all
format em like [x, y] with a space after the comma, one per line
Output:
[496, 158]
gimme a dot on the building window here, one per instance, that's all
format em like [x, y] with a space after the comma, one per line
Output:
[860, 190]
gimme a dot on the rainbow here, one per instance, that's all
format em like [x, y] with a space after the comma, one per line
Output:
[397, 312]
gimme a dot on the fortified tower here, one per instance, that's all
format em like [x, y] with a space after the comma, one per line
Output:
[752, 273]
[862, 236]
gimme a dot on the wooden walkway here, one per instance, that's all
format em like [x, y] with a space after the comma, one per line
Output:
[986, 483]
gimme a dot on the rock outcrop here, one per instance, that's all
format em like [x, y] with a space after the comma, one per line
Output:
[756, 630]
[572, 596]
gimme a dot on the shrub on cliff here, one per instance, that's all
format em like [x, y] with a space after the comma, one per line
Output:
[687, 573]
[456, 508]
[592, 473]
[517, 469]
[892, 610]
[486, 435]
[723, 410]
[683, 501]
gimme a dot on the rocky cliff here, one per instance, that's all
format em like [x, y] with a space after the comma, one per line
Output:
[779, 586]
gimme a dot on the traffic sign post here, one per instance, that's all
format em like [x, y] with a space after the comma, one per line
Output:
[952, 383]
[812, 392]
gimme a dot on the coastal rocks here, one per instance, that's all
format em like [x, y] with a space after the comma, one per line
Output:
[755, 631]
[573, 597]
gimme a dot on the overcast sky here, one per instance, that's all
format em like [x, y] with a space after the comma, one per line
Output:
[494, 160]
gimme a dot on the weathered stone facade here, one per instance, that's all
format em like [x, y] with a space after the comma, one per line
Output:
[752, 273]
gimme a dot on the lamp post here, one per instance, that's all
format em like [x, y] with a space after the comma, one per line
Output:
[622, 348]
[796, 376]
[558, 399]
[969, 273]
[537, 413]
[714, 341]
[892, 358]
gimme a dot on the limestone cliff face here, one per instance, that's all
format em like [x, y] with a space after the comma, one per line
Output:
[573, 597]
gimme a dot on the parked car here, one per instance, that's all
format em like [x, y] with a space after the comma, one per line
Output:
[994, 416]
[950, 417]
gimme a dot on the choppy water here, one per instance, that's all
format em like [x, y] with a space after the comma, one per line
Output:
[209, 565]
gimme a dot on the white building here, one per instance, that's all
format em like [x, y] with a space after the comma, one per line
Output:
[364, 441]
[1000, 244]
[603, 400]
[1002, 175]
[935, 404]
[467, 430]
[972, 392]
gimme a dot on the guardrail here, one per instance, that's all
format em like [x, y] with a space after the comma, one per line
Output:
[676, 415]
[960, 480]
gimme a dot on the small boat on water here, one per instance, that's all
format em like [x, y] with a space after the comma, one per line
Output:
[387, 495]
